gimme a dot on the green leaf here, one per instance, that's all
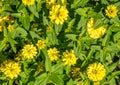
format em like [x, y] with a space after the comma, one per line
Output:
[82, 11]
[21, 32]
[34, 35]
[71, 36]
[33, 9]
[78, 3]
[42, 79]
[3, 44]
[12, 43]
[116, 36]
[48, 66]
[112, 81]
[56, 79]
[58, 68]
[107, 38]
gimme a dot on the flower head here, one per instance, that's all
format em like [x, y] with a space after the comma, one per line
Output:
[53, 54]
[111, 11]
[96, 72]
[41, 44]
[10, 28]
[29, 51]
[10, 68]
[95, 33]
[69, 58]
[58, 14]
[28, 2]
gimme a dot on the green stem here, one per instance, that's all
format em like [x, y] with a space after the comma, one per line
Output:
[88, 57]
[11, 82]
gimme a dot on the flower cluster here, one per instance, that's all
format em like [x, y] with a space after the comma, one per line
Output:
[29, 51]
[58, 14]
[10, 68]
[95, 33]
[69, 58]
[111, 11]
[96, 72]
[41, 44]
[53, 54]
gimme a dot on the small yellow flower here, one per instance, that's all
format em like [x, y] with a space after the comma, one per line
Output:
[50, 3]
[111, 11]
[69, 58]
[53, 54]
[58, 14]
[29, 51]
[96, 72]
[28, 2]
[10, 68]
[41, 44]
[10, 28]
[95, 33]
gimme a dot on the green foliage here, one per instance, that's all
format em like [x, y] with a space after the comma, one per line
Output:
[32, 23]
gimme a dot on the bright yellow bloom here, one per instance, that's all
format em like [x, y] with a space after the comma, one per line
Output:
[10, 68]
[111, 11]
[96, 72]
[58, 14]
[41, 44]
[69, 58]
[28, 2]
[10, 28]
[29, 51]
[95, 33]
[53, 54]
[50, 3]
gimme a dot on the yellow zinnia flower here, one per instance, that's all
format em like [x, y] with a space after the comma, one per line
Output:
[10, 28]
[29, 51]
[41, 44]
[28, 2]
[50, 3]
[96, 72]
[69, 58]
[53, 54]
[111, 11]
[95, 33]
[58, 14]
[10, 68]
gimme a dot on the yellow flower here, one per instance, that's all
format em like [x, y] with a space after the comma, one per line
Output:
[29, 51]
[111, 11]
[58, 14]
[95, 33]
[50, 3]
[28, 2]
[41, 44]
[69, 58]
[53, 54]
[10, 28]
[96, 72]
[10, 68]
